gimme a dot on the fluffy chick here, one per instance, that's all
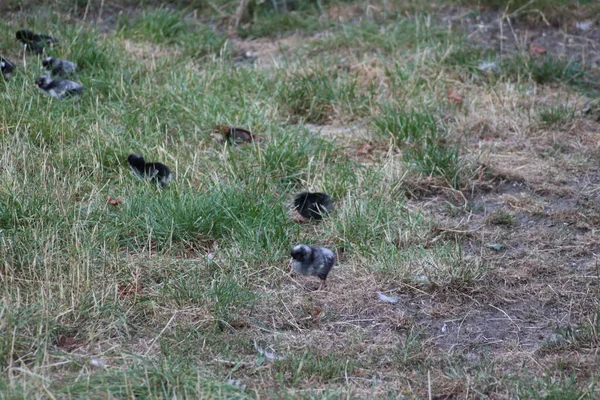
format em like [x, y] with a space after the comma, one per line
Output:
[59, 67]
[60, 88]
[34, 42]
[315, 261]
[156, 172]
[313, 205]
[226, 133]
[6, 67]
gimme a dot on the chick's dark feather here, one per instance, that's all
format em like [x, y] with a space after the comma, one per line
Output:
[315, 261]
[34, 42]
[313, 205]
[156, 172]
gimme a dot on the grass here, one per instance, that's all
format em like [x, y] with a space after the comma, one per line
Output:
[112, 287]
[422, 142]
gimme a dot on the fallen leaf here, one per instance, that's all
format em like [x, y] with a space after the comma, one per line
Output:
[128, 291]
[297, 217]
[316, 311]
[67, 343]
[537, 49]
[114, 202]
[365, 149]
[239, 324]
[452, 95]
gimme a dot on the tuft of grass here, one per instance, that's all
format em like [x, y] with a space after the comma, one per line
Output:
[315, 96]
[169, 27]
[541, 11]
[307, 366]
[158, 26]
[501, 218]
[423, 142]
[543, 70]
[278, 17]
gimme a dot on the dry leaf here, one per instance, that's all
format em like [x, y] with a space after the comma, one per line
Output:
[365, 149]
[67, 343]
[452, 95]
[297, 217]
[537, 49]
[128, 291]
[114, 202]
[316, 311]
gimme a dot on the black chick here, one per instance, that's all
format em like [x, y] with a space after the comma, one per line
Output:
[156, 172]
[315, 261]
[59, 89]
[59, 67]
[34, 42]
[313, 205]
[6, 67]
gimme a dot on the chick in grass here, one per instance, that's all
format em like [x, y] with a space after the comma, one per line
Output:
[59, 67]
[156, 172]
[60, 88]
[34, 42]
[313, 261]
[309, 206]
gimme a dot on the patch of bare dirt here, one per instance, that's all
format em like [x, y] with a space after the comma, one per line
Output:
[578, 40]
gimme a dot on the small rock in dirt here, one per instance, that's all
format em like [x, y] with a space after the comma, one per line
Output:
[236, 382]
[266, 354]
[488, 67]
[421, 279]
[495, 246]
[584, 26]
[97, 363]
[387, 299]
[556, 339]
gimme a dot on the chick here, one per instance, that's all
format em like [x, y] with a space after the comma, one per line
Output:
[156, 172]
[313, 205]
[227, 133]
[34, 42]
[59, 89]
[6, 67]
[59, 67]
[315, 261]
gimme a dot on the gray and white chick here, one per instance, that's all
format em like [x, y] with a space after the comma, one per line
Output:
[60, 88]
[59, 67]
[315, 261]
